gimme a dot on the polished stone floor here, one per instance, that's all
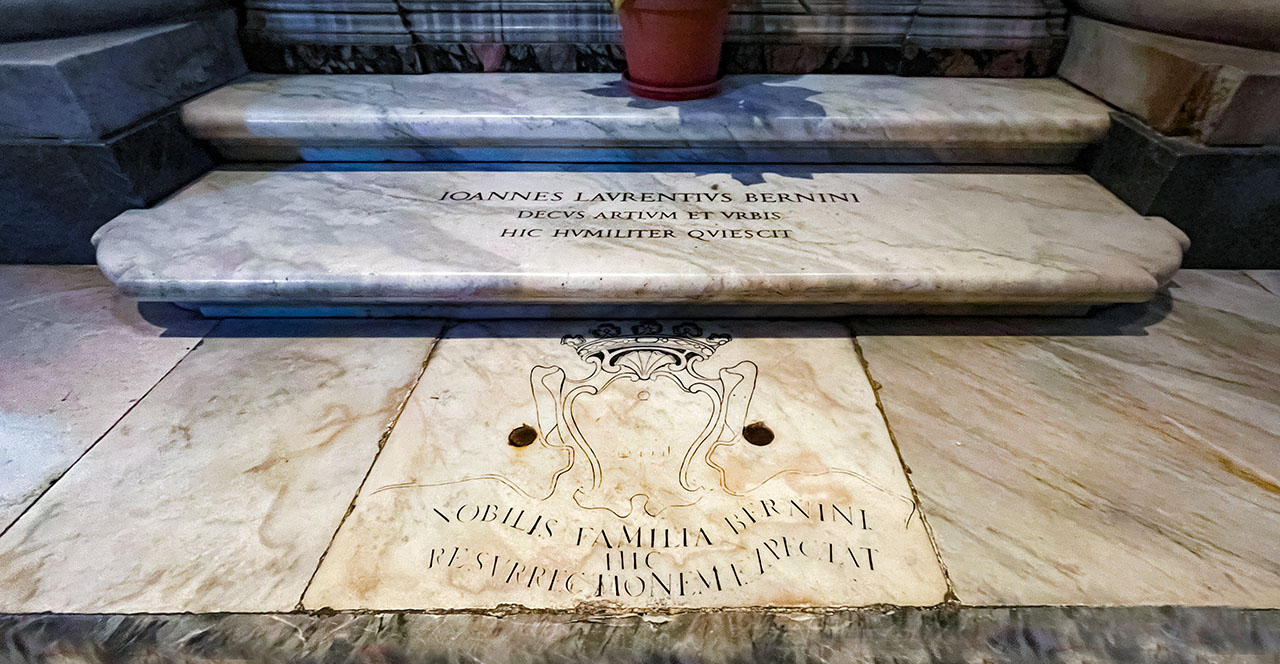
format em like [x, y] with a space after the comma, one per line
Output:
[155, 462]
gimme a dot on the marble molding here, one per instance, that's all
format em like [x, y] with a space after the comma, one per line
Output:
[943, 38]
[591, 117]
[76, 357]
[1024, 635]
[1224, 198]
[1124, 459]
[268, 56]
[56, 193]
[904, 237]
[1219, 94]
[1251, 23]
[87, 87]
[635, 465]
[221, 489]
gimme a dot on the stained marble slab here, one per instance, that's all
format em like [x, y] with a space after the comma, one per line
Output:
[1124, 459]
[901, 237]
[221, 489]
[591, 117]
[1220, 94]
[76, 356]
[656, 465]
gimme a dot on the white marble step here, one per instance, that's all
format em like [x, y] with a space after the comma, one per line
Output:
[474, 243]
[591, 118]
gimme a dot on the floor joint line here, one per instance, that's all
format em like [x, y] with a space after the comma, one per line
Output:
[5, 531]
[382, 443]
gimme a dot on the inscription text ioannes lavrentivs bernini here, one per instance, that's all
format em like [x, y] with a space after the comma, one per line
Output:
[648, 197]
[693, 213]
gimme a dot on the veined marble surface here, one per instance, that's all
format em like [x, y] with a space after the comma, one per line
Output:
[74, 357]
[1269, 279]
[909, 236]
[1128, 458]
[221, 489]
[591, 117]
[605, 467]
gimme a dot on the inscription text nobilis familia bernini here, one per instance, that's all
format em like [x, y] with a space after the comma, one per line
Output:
[643, 464]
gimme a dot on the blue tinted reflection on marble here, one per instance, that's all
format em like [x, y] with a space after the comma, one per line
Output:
[591, 117]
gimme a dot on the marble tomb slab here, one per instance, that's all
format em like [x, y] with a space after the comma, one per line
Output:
[618, 466]
[75, 356]
[899, 237]
[1124, 459]
[590, 117]
[221, 489]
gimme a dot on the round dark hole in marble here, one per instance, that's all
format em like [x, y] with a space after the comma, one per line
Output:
[757, 433]
[522, 435]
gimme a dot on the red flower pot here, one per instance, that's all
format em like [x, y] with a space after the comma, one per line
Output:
[673, 47]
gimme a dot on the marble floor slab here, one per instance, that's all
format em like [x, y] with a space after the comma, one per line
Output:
[74, 357]
[591, 117]
[1130, 458]
[776, 235]
[222, 488]
[604, 467]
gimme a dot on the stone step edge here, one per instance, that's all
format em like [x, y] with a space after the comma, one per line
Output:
[591, 117]
[356, 239]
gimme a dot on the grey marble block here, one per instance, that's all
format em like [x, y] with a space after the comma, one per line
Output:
[54, 195]
[42, 19]
[87, 87]
[1225, 199]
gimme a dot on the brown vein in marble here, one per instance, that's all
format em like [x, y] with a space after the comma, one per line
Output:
[1271, 284]
[950, 597]
[382, 442]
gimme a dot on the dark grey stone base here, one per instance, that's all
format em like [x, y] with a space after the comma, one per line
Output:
[84, 88]
[941, 634]
[1227, 200]
[54, 195]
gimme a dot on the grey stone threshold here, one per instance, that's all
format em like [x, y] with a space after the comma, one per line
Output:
[945, 633]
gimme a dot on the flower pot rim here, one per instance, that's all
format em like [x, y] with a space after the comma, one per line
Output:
[673, 5]
[664, 93]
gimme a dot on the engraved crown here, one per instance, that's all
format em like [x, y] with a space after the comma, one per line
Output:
[647, 349]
